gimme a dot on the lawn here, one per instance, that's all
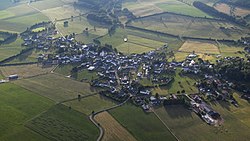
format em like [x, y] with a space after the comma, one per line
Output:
[113, 130]
[56, 87]
[142, 126]
[17, 107]
[64, 124]
[199, 47]
[91, 103]
[190, 27]
[187, 125]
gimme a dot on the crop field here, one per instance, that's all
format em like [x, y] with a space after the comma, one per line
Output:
[187, 125]
[225, 8]
[64, 124]
[17, 107]
[24, 71]
[199, 47]
[190, 27]
[143, 126]
[79, 25]
[91, 103]
[55, 87]
[113, 131]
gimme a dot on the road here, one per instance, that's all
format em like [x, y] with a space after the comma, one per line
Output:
[52, 20]
[92, 118]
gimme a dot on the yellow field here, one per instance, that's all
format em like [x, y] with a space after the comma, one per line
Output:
[113, 130]
[199, 47]
[24, 71]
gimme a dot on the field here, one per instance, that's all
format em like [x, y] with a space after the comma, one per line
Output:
[145, 8]
[89, 104]
[229, 50]
[142, 126]
[187, 125]
[17, 107]
[222, 7]
[55, 87]
[199, 47]
[24, 71]
[64, 124]
[113, 131]
[190, 27]
[138, 41]
[11, 49]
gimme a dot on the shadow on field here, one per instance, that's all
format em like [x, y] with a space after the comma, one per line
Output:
[178, 111]
[223, 104]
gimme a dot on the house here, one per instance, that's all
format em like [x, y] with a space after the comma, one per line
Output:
[13, 77]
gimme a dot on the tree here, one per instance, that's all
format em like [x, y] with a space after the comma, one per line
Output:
[157, 96]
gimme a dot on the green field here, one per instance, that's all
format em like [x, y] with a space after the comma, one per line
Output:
[56, 87]
[89, 104]
[188, 126]
[17, 107]
[64, 124]
[11, 49]
[138, 41]
[64, 69]
[190, 27]
[143, 127]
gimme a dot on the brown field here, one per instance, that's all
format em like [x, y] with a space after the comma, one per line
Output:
[113, 130]
[24, 71]
[199, 47]
[222, 7]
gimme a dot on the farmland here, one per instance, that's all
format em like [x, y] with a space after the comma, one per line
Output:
[199, 47]
[143, 126]
[190, 27]
[17, 107]
[113, 130]
[186, 125]
[24, 71]
[11, 49]
[225, 8]
[55, 87]
[89, 104]
[64, 124]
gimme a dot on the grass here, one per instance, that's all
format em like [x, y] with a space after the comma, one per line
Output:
[182, 83]
[17, 107]
[181, 8]
[38, 29]
[64, 124]
[11, 49]
[55, 87]
[190, 27]
[24, 71]
[89, 104]
[113, 130]
[199, 47]
[142, 126]
[64, 69]
[5, 14]
[229, 50]
[188, 126]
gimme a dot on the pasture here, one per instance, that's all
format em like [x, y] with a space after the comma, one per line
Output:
[230, 50]
[89, 104]
[199, 47]
[11, 49]
[231, 10]
[144, 126]
[64, 124]
[185, 26]
[187, 125]
[55, 87]
[24, 71]
[17, 107]
[113, 131]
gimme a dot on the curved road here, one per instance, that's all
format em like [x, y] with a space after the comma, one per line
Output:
[92, 116]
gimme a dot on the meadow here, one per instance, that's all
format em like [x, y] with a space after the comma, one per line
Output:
[199, 47]
[89, 104]
[187, 125]
[113, 131]
[185, 26]
[17, 107]
[56, 87]
[25, 71]
[143, 126]
[238, 11]
[64, 124]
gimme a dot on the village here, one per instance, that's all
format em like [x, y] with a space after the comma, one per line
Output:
[119, 76]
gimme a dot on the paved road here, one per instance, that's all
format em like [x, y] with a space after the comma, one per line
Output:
[92, 116]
